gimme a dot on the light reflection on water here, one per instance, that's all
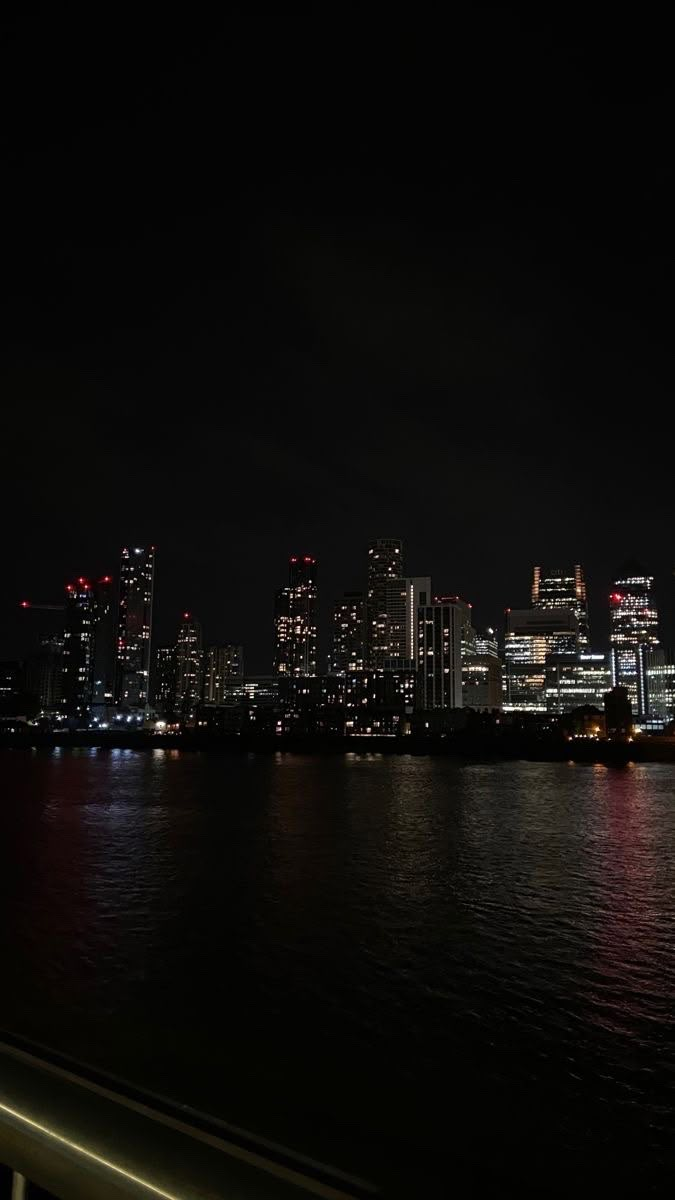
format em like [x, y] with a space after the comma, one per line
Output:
[396, 942]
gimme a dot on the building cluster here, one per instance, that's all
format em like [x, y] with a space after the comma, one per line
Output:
[401, 659]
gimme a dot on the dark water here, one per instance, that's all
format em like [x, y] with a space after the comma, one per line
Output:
[380, 960]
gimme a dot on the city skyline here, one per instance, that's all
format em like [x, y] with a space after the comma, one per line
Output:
[401, 638]
[260, 643]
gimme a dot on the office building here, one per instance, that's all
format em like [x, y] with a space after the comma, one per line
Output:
[134, 627]
[563, 587]
[188, 668]
[633, 634]
[295, 619]
[439, 653]
[481, 681]
[576, 681]
[77, 664]
[531, 635]
[104, 643]
[221, 664]
[348, 651]
[661, 685]
[486, 643]
[385, 565]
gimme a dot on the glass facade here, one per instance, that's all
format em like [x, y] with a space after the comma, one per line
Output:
[563, 587]
[576, 681]
[633, 635]
[532, 634]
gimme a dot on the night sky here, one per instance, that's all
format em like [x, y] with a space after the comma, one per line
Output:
[280, 285]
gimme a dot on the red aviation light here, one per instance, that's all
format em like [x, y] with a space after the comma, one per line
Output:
[294, 558]
[106, 579]
[25, 604]
[308, 558]
[616, 597]
[186, 616]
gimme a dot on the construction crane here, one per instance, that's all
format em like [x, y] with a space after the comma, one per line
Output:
[42, 607]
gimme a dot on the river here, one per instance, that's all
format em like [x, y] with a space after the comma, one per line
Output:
[393, 963]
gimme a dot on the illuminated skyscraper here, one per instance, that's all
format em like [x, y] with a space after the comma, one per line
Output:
[403, 598]
[78, 650]
[348, 652]
[633, 634]
[295, 619]
[439, 654]
[134, 627]
[562, 587]
[531, 635]
[188, 667]
[385, 565]
[222, 664]
[104, 643]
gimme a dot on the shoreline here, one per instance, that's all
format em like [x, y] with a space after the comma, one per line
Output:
[503, 748]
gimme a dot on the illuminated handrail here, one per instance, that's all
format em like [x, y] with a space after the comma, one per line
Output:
[82, 1135]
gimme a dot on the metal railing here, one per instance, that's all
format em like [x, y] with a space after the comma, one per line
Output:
[82, 1135]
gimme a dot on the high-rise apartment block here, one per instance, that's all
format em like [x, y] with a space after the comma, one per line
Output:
[633, 634]
[295, 619]
[103, 692]
[78, 649]
[134, 627]
[385, 565]
[222, 664]
[164, 680]
[348, 651]
[439, 654]
[563, 587]
[188, 667]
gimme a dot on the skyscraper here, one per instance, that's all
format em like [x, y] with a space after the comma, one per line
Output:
[633, 633]
[295, 619]
[348, 650]
[134, 627]
[188, 667]
[439, 654]
[562, 587]
[78, 650]
[164, 680]
[531, 635]
[104, 643]
[385, 564]
[222, 664]
[403, 598]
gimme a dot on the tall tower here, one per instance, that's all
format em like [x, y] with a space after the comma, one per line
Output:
[104, 642]
[439, 654]
[188, 666]
[348, 651]
[134, 627]
[385, 567]
[78, 649]
[633, 633]
[295, 619]
[562, 587]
